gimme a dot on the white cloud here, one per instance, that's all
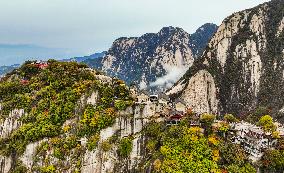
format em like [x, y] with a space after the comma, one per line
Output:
[174, 73]
[142, 85]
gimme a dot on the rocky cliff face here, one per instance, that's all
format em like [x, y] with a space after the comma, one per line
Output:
[154, 61]
[64, 117]
[129, 124]
[242, 67]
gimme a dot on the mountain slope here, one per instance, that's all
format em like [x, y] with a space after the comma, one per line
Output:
[153, 61]
[201, 37]
[65, 117]
[6, 69]
[242, 67]
[55, 111]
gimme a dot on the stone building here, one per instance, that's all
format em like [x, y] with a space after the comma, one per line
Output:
[252, 138]
[143, 97]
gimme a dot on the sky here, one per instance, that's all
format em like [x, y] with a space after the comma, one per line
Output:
[83, 27]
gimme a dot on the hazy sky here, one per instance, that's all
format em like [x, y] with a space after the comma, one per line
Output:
[88, 26]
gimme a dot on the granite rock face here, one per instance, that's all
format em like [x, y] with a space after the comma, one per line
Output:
[154, 61]
[129, 123]
[245, 60]
[9, 124]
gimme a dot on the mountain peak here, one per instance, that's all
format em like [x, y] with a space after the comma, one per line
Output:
[242, 65]
[207, 26]
[154, 60]
[201, 37]
[170, 30]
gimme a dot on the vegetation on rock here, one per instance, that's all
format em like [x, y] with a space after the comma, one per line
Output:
[187, 149]
[125, 147]
[49, 97]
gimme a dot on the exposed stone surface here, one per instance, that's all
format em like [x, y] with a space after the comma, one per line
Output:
[9, 124]
[5, 164]
[27, 157]
[147, 60]
[129, 123]
[93, 98]
[245, 60]
[201, 93]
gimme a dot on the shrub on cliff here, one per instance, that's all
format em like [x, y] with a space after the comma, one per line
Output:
[50, 94]
[125, 147]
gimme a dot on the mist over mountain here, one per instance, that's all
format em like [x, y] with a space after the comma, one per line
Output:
[7, 69]
[154, 61]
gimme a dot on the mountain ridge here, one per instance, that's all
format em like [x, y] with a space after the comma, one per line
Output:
[150, 59]
[9, 68]
[241, 66]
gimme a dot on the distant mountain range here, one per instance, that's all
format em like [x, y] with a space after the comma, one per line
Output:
[86, 58]
[9, 52]
[154, 61]
[7, 69]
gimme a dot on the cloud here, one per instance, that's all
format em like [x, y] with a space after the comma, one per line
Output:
[142, 85]
[174, 73]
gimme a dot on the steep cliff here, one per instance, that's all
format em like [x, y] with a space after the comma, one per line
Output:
[154, 61]
[65, 117]
[100, 153]
[60, 117]
[242, 67]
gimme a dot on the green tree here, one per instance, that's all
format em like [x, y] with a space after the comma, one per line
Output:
[230, 118]
[273, 161]
[207, 120]
[246, 168]
[234, 158]
[266, 122]
[125, 147]
[223, 128]
[186, 149]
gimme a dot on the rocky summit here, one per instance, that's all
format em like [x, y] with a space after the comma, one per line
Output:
[154, 61]
[242, 67]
